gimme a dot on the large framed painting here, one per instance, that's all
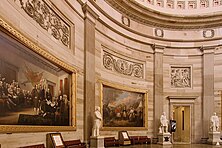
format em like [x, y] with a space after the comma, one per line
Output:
[37, 90]
[123, 107]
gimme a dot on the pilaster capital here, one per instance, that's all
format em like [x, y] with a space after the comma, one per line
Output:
[89, 13]
[207, 49]
[158, 48]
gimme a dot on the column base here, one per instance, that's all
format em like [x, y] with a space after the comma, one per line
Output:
[214, 137]
[97, 142]
[164, 138]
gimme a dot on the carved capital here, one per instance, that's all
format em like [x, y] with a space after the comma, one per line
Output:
[158, 48]
[89, 13]
[207, 49]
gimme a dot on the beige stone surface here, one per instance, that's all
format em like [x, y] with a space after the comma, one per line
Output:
[135, 44]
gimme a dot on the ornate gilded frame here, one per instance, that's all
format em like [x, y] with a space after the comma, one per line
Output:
[21, 38]
[129, 89]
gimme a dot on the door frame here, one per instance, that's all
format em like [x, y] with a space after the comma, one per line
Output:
[183, 101]
[187, 105]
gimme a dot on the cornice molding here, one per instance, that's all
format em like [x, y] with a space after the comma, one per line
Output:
[157, 19]
[141, 34]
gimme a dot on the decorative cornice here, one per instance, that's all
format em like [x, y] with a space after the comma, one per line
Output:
[182, 97]
[142, 34]
[40, 12]
[153, 18]
[123, 66]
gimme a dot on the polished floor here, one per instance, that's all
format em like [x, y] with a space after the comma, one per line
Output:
[172, 146]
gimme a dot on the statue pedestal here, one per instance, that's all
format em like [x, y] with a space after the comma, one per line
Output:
[97, 142]
[214, 137]
[164, 138]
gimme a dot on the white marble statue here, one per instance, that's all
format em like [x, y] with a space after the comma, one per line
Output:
[163, 124]
[214, 123]
[97, 122]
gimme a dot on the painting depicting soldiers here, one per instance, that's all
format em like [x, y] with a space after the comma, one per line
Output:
[122, 108]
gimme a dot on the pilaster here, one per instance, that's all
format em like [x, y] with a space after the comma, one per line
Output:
[89, 67]
[158, 85]
[208, 87]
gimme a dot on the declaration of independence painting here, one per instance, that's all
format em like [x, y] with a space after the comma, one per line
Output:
[123, 107]
[33, 90]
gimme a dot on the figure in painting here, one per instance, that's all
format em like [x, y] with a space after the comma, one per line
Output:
[214, 123]
[97, 122]
[163, 123]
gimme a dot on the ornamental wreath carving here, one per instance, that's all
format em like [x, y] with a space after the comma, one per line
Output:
[122, 66]
[39, 11]
[180, 77]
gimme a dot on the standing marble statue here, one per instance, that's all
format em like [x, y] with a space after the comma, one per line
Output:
[214, 123]
[97, 122]
[163, 124]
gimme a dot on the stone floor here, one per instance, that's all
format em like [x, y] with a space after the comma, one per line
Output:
[171, 146]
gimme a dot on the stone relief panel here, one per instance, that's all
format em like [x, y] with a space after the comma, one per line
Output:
[122, 66]
[150, 2]
[160, 3]
[204, 3]
[159, 32]
[181, 4]
[217, 2]
[192, 4]
[170, 4]
[209, 33]
[126, 21]
[180, 77]
[40, 12]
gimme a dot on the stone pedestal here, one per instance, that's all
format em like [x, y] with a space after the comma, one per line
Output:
[164, 138]
[214, 137]
[97, 142]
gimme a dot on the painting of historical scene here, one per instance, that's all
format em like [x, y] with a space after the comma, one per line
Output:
[180, 77]
[122, 108]
[33, 91]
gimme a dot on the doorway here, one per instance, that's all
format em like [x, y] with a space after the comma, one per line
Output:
[183, 121]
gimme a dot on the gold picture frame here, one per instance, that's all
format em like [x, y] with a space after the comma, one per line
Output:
[123, 108]
[20, 41]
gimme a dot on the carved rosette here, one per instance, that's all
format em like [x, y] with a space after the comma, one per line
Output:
[181, 77]
[39, 11]
[122, 66]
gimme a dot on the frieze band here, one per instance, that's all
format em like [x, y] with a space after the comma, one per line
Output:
[39, 11]
[122, 66]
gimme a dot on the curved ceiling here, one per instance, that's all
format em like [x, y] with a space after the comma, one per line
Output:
[138, 11]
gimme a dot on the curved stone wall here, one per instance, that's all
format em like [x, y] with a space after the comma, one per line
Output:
[111, 43]
[179, 49]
